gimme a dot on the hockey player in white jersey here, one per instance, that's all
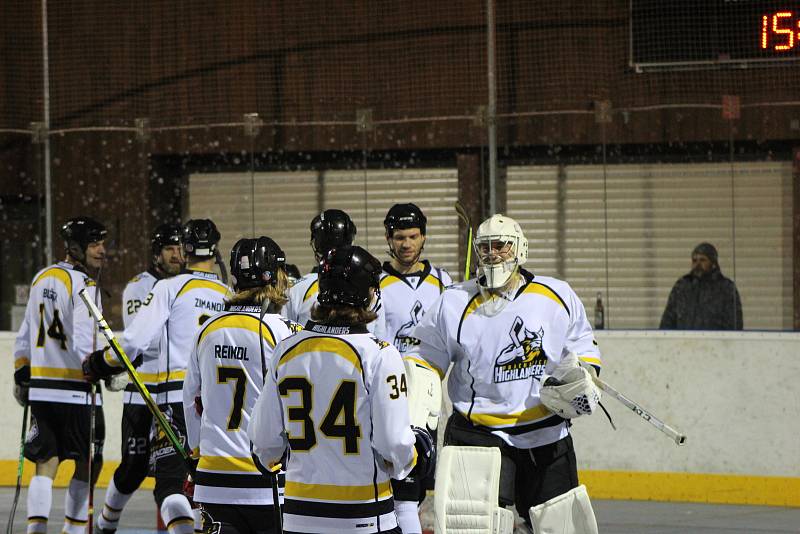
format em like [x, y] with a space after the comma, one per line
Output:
[504, 333]
[166, 252]
[56, 335]
[331, 228]
[173, 313]
[336, 398]
[225, 377]
[409, 285]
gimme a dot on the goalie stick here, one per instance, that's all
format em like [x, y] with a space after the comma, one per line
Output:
[462, 214]
[136, 381]
[674, 435]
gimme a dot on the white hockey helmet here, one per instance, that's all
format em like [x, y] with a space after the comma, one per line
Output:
[501, 248]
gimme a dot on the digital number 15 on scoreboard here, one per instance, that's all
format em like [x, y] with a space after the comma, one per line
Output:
[780, 31]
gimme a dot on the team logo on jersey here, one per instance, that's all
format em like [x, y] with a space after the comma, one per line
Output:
[403, 340]
[524, 357]
[292, 326]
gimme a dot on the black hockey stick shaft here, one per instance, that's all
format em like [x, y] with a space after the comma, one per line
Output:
[20, 466]
[159, 416]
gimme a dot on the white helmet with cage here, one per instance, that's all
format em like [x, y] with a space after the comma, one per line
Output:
[501, 249]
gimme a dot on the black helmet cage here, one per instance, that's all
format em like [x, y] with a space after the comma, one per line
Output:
[79, 232]
[346, 275]
[165, 235]
[331, 228]
[200, 237]
[404, 216]
[255, 262]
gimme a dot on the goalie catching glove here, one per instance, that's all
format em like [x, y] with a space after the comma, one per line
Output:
[570, 391]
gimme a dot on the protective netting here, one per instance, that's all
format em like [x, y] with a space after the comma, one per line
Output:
[142, 96]
[185, 63]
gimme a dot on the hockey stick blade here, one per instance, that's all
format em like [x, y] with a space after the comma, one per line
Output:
[674, 435]
[135, 380]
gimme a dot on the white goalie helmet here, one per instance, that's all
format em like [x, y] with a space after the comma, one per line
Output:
[501, 248]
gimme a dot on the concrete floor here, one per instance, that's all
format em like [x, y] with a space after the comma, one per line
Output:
[613, 517]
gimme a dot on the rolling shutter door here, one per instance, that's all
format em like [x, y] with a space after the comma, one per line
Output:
[656, 215]
[286, 203]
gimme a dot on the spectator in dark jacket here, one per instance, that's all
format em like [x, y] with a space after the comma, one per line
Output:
[703, 299]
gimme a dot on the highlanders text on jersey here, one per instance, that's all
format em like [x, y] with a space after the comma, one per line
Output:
[498, 358]
[405, 298]
[338, 390]
[174, 310]
[57, 334]
[303, 297]
[133, 296]
[226, 372]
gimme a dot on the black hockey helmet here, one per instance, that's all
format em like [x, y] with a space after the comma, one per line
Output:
[79, 232]
[404, 216]
[255, 262]
[331, 228]
[346, 275]
[200, 237]
[165, 235]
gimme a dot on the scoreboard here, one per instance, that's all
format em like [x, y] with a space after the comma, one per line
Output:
[713, 33]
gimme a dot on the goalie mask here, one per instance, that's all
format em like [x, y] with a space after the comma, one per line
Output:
[501, 249]
[255, 262]
[79, 233]
[200, 238]
[346, 275]
[331, 228]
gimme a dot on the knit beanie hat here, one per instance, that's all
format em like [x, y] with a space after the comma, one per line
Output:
[708, 250]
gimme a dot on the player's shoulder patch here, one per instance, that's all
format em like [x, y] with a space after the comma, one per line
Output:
[135, 279]
[89, 282]
[292, 326]
[381, 343]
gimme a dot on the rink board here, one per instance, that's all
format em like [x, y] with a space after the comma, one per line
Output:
[733, 394]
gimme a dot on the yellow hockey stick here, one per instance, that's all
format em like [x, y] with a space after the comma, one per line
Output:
[137, 382]
[462, 214]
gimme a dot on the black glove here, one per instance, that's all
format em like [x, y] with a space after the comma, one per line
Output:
[22, 381]
[426, 453]
[95, 367]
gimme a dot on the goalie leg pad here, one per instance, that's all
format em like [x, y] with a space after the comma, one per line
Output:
[467, 487]
[569, 513]
[424, 393]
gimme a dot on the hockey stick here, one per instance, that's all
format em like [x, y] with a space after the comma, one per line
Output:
[276, 499]
[93, 420]
[673, 434]
[20, 465]
[462, 214]
[136, 381]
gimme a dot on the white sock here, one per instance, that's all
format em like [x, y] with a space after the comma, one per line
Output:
[76, 507]
[40, 498]
[112, 507]
[177, 514]
[198, 521]
[408, 517]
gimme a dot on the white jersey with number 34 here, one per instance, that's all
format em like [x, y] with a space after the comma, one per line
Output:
[337, 397]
